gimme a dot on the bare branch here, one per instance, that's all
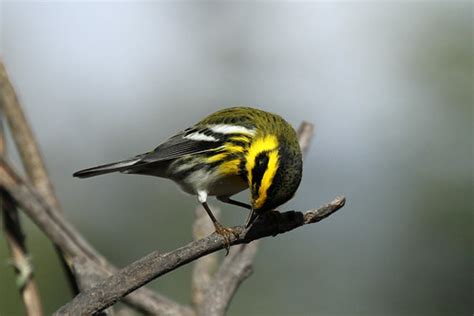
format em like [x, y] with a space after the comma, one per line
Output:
[20, 259]
[203, 267]
[16, 243]
[25, 141]
[305, 136]
[236, 267]
[156, 264]
[65, 236]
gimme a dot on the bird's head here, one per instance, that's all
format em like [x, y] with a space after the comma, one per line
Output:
[274, 170]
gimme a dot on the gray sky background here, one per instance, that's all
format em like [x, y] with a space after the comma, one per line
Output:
[388, 86]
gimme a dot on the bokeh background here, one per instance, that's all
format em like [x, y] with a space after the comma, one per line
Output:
[389, 87]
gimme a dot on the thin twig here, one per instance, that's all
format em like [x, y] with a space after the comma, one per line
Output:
[157, 264]
[305, 136]
[25, 141]
[16, 243]
[204, 267]
[65, 236]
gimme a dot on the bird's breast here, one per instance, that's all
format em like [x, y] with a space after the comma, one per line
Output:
[213, 183]
[227, 186]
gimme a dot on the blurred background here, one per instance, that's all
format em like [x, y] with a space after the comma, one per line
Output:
[389, 87]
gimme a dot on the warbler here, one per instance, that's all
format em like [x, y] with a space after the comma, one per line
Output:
[227, 152]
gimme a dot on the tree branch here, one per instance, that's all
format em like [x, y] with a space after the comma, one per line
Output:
[65, 236]
[25, 141]
[156, 264]
[235, 268]
[16, 243]
[203, 267]
[305, 136]
[20, 259]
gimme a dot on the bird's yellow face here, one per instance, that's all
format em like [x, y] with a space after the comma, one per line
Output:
[262, 165]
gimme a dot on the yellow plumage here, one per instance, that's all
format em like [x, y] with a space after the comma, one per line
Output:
[223, 154]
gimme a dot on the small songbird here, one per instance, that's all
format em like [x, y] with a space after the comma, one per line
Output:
[223, 154]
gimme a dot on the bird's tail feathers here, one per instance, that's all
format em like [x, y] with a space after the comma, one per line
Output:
[108, 168]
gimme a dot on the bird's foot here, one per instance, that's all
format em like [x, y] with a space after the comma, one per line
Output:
[226, 233]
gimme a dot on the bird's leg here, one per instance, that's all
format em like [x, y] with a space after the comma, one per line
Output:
[251, 218]
[228, 200]
[225, 232]
[252, 215]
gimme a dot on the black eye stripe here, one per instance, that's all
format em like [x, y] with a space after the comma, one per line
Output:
[261, 164]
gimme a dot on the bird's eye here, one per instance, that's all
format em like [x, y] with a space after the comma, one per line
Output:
[261, 164]
[261, 161]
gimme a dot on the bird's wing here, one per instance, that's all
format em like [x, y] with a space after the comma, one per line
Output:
[190, 141]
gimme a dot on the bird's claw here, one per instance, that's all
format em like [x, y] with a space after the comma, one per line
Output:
[226, 233]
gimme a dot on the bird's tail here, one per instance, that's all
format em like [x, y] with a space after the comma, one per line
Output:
[108, 168]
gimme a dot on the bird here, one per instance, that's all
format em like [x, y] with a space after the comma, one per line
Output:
[227, 152]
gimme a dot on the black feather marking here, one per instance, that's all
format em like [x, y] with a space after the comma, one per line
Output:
[243, 170]
[261, 164]
[178, 146]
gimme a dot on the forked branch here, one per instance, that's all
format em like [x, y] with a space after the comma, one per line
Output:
[71, 242]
